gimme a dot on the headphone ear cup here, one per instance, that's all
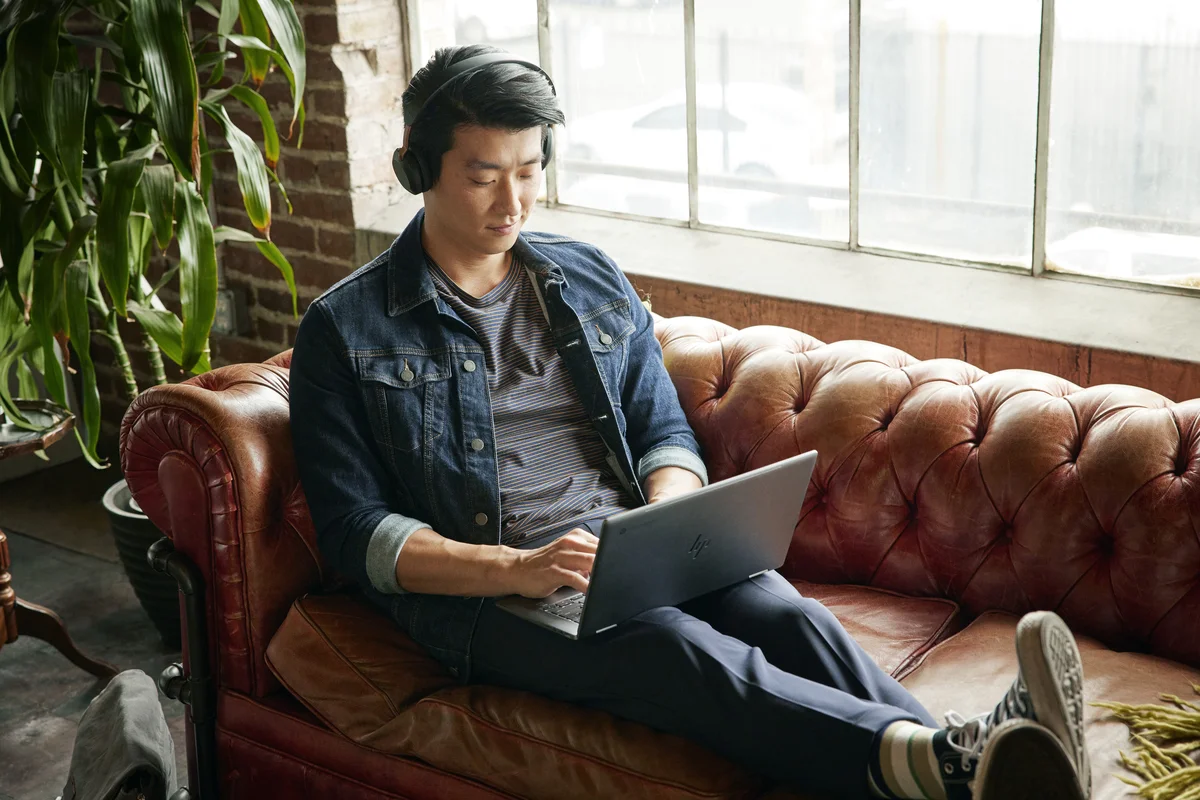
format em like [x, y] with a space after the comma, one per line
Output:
[410, 171]
[547, 146]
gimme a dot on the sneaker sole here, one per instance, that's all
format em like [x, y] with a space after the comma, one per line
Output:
[1025, 761]
[1053, 672]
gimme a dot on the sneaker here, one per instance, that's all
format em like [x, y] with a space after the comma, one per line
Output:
[1026, 761]
[1051, 679]
[1048, 690]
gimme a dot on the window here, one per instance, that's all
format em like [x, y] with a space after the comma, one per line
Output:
[923, 140]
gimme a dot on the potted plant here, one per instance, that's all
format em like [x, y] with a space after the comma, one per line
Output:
[105, 110]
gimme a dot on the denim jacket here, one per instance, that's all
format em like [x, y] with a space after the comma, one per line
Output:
[388, 393]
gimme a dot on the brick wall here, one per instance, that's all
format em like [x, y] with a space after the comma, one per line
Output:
[357, 70]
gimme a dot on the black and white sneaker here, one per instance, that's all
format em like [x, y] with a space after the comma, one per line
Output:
[1051, 679]
[1048, 690]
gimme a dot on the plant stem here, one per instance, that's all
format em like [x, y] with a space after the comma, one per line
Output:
[155, 354]
[113, 332]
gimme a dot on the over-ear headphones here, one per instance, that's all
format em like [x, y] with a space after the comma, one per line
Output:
[412, 168]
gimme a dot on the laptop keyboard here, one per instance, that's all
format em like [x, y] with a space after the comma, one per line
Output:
[568, 609]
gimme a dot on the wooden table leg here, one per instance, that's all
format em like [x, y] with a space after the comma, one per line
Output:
[33, 620]
[42, 623]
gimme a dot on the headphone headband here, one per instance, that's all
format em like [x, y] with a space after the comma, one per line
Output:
[462, 68]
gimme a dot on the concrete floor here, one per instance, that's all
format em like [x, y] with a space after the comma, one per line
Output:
[42, 695]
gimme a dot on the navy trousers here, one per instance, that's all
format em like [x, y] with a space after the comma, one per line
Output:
[755, 671]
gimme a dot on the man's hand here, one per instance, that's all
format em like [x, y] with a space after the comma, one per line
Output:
[567, 561]
[669, 482]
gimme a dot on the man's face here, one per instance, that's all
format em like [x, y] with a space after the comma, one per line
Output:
[487, 187]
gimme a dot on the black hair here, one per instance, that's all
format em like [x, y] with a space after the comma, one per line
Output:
[510, 97]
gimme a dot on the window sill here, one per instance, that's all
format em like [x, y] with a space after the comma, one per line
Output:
[1053, 308]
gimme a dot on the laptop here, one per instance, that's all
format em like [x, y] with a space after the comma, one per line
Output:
[673, 550]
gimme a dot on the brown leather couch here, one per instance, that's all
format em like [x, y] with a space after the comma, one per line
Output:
[945, 502]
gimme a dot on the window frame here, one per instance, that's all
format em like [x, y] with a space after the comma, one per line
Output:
[1037, 266]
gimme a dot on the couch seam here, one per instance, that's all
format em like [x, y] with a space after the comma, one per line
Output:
[930, 642]
[574, 753]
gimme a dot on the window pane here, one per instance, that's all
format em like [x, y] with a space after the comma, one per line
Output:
[773, 114]
[1124, 188]
[948, 119]
[509, 24]
[619, 72]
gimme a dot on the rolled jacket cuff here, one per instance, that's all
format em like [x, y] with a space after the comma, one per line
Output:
[384, 547]
[671, 456]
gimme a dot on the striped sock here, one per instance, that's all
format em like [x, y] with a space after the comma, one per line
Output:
[905, 766]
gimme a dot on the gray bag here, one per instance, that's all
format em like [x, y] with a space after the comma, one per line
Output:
[123, 749]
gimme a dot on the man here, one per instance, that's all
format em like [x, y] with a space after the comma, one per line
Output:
[465, 406]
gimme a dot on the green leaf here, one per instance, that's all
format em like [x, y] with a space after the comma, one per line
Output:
[112, 239]
[79, 233]
[158, 26]
[208, 8]
[158, 191]
[256, 103]
[285, 25]
[79, 331]
[252, 172]
[44, 304]
[98, 42]
[71, 90]
[249, 42]
[229, 15]
[132, 50]
[197, 275]
[26, 385]
[282, 191]
[167, 331]
[209, 59]
[255, 24]
[34, 54]
[224, 233]
[205, 161]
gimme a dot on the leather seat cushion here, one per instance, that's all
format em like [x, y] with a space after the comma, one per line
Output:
[355, 670]
[972, 670]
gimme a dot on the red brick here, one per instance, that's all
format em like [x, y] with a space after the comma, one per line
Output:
[245, 260]
[320, 28]
[269, 331]
[336, 244]
[324, 136]
[312, 271]
[321, 69]
[332, 208]
[293, 235]
[280, 300]
[231, 350]
[334, 174]
[296, 170]
[327, 102]
[276, 91]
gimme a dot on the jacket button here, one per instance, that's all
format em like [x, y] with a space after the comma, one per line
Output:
[469, 365]
[477, 444]
[605, 339]
[481, 518]
[407, 374]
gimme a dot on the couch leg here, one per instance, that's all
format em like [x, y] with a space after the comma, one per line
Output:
[191, 682]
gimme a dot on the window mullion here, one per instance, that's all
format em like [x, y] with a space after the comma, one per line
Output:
[1041, 170]
[855, 41]
[544, 57]
[689, 57]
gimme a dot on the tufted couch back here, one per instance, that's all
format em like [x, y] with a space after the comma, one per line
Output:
[1016, 490]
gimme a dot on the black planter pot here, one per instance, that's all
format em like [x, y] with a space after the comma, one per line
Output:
[134, 533]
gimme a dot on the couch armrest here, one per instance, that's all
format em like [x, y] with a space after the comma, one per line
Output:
[210, 463]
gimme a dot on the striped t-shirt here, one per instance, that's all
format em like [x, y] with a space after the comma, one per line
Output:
[551, 460]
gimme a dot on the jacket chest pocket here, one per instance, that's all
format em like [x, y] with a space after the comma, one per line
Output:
[406, 398]
[607, 330]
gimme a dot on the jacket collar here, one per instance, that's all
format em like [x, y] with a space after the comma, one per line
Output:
[408, 281]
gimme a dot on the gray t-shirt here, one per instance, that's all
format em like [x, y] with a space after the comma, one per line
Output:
[551, 460]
